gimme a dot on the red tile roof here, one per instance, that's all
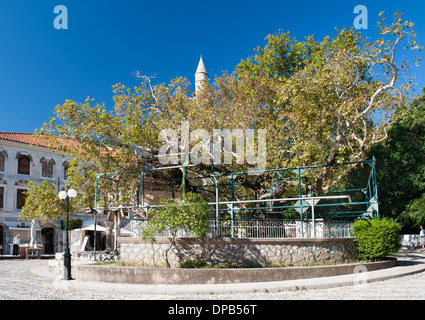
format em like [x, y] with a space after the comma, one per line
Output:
[27, 138]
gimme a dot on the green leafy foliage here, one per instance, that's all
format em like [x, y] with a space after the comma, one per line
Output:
[320, 101]
[194, 264]
[400, 165]
[73, 223]
[190, 214]
[43, 203]
[377, 238]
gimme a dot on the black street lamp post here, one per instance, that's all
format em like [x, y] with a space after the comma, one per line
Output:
[65, 195]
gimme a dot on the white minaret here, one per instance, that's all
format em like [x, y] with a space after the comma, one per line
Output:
[201, 75]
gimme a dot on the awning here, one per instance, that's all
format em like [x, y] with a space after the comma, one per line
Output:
[89, 226]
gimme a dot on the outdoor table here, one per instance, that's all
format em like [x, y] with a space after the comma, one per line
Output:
[28, 250]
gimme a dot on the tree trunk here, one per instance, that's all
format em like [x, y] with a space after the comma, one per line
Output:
[173, 240]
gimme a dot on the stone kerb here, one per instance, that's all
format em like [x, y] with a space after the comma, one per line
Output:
[140, 275]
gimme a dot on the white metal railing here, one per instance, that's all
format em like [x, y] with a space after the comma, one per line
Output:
[255, 229]
[247, 229]
[267, 228]
[338, 230]
[232, 227]
[270, 229]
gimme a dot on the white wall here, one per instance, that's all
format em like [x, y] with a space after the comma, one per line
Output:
[410, 240]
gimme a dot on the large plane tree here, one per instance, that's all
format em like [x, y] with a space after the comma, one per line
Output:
[320, 102]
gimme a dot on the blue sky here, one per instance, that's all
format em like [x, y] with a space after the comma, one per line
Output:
[107, 41]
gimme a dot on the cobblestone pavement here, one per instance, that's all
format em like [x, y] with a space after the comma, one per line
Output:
[403, 288]
[19, 281]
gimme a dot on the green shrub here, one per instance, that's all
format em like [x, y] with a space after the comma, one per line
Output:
[190, 214]
[194, 263]
[376, 238]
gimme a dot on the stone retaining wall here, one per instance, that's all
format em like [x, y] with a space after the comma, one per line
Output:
[245, 252]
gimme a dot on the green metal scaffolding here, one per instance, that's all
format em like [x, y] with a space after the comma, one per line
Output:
[339, 205]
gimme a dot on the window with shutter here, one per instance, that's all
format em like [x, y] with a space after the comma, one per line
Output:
[2, 161]
[65, 170]
[21, 196]
[47, 168]
[24, 164]
[1, 197]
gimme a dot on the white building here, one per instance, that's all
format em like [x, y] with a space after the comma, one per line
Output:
[22, 159]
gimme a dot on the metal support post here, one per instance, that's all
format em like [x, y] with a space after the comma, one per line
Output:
[67, 253]
[216, 208]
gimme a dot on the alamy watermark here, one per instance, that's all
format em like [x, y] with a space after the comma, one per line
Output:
[361, 275]
[222, 146]
[61, 20]
[360, 21]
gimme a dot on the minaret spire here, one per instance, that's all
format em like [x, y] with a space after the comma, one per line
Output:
[201, 75]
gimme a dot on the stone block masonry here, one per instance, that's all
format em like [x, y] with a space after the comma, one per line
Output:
[239, 252]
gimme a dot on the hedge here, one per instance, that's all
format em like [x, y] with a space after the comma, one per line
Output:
[376, 238]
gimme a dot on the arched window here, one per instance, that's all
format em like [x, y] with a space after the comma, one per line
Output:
[21, 196]
[24, 164]
[47, 167]
[2, 161]
[1, 200]
[65, 170]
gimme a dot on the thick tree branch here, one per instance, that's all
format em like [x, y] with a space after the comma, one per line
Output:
[385, 87]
